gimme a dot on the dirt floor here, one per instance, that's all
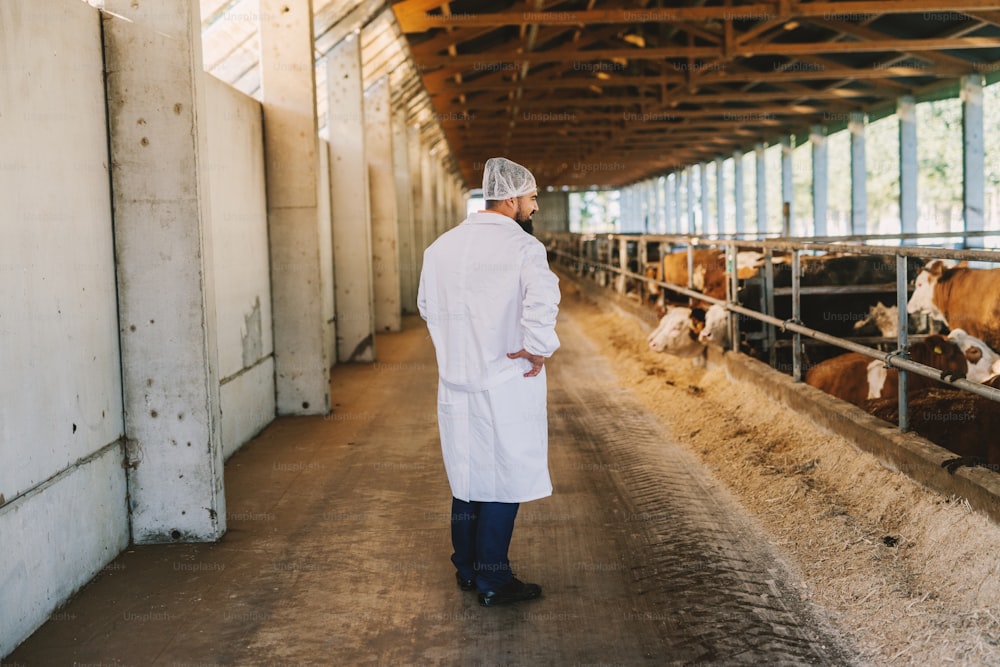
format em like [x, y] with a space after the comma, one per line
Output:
[910, 576]
[337, 544]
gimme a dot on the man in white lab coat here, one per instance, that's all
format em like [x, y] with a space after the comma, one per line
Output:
[490, 302]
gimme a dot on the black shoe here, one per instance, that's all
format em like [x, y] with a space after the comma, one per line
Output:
[515, 591]
[465, 584]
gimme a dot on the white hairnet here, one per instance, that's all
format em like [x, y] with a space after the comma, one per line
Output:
[503, 179]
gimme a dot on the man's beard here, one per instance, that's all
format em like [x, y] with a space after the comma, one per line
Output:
[525, 223]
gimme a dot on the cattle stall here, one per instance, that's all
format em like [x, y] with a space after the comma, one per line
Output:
[781, 308]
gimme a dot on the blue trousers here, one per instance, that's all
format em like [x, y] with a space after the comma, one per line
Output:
[480, 534]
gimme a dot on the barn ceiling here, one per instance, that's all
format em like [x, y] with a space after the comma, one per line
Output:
[601, 92]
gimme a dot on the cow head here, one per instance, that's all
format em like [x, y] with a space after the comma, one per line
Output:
[978, 355]
[716, 329]
[882, 320]
[922, 299]
[674, 335]
[939, 352]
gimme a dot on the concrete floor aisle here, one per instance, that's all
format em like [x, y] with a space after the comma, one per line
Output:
[338, 545]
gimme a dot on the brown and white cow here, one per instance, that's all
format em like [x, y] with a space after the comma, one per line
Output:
[959, 421]
[678, 331]
[961, 297]
[708, 274]
[856, 378]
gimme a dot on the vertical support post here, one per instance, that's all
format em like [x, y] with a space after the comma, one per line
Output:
[973, 159]
[166, 291]
[859, 175]
[668, 204]
[732, 296]
[692, 223]
[427, 195]
[704, 197]
[787, 187]
[291, 149]
[384, 221]
[679, 210]
[661, 205]
[352, 243]
[408, 276]
[906, 111]
[767, 296]
[413, 153]
[738, 202]
[720, 197]
[902, 342]
[761, 188]
[820, 178]
[622, 264]
[796, 316]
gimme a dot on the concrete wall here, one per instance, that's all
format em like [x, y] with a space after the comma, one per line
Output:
[324, 212]
[240, 251]
[62, 485]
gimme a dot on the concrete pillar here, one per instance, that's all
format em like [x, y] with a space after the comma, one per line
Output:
[704, 198]
[691, 202]
[787, 186]
[661, 205]
[820, 178]
[291, 153]
[427, 195]
[680, 213]
[326, 254]
[167, 319]
[738, 202]
[414, 153]
[408, 276]
[859, 175]
[760, 187]
[352, 243]
[384, 221]
[720, 197]
[674, 195]
[441, 212]
[973, 158]
[906, 110]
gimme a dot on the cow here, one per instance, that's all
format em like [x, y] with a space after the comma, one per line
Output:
[677, 333]
[833, 313]
[716, 328]
[962, 298]
[856, 378]
[882, 321]
[961, 422]
[708, 275]
[983, 361]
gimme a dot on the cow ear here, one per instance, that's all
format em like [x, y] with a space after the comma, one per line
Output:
[935, 268]
[964, 264]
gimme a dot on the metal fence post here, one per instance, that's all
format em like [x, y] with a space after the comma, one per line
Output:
[796, 317]
[902, 342]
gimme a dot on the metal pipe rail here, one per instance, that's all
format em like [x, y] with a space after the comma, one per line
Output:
[895, 359]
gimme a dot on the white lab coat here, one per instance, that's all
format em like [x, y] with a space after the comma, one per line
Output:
[486, 290]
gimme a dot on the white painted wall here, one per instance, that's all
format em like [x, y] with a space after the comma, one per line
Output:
[62, 486]
[241, 263]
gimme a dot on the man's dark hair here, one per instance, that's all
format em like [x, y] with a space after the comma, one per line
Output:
[493, 203]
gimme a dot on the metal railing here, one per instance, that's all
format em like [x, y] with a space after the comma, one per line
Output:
[592, 253]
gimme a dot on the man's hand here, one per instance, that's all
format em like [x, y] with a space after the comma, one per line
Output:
[535, 359]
